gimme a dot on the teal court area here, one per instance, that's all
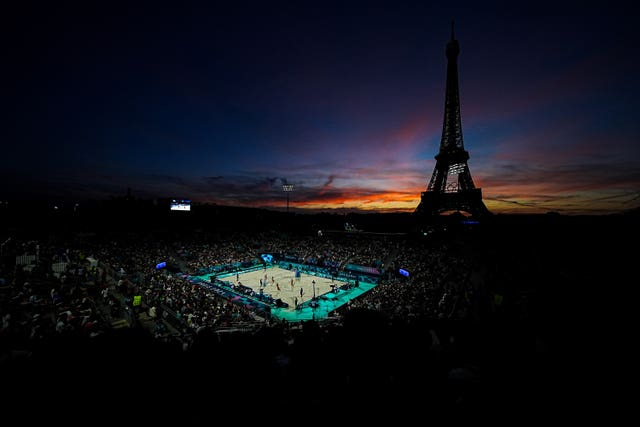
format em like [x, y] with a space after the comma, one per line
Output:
[289, 294]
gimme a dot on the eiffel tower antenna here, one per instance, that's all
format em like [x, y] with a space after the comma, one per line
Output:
[451, 187]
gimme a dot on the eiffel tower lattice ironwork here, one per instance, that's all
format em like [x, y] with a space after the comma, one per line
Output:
[451, 187]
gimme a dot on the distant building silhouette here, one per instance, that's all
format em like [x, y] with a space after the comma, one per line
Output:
[451, 187]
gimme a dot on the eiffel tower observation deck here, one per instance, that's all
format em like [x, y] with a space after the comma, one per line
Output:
[451, 187]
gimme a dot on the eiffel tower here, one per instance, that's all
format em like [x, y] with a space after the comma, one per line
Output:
[451, 187]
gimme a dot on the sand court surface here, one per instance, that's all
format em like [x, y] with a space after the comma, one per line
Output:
[297, 291]
[283, 284]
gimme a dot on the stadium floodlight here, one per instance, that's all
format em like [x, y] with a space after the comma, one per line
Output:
[287, 188]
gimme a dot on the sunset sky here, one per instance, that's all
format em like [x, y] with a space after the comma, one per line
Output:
[344, 100]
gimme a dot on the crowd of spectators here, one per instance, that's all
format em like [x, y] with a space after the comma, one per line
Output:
[450, 328]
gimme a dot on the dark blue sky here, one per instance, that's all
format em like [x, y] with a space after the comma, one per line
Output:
[224, 104]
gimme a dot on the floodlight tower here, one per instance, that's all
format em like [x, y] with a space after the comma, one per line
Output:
[287, 188]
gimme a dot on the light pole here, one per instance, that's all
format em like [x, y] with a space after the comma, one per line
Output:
[287, 188]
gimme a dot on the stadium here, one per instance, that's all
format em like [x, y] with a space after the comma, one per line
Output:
[459, 316]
